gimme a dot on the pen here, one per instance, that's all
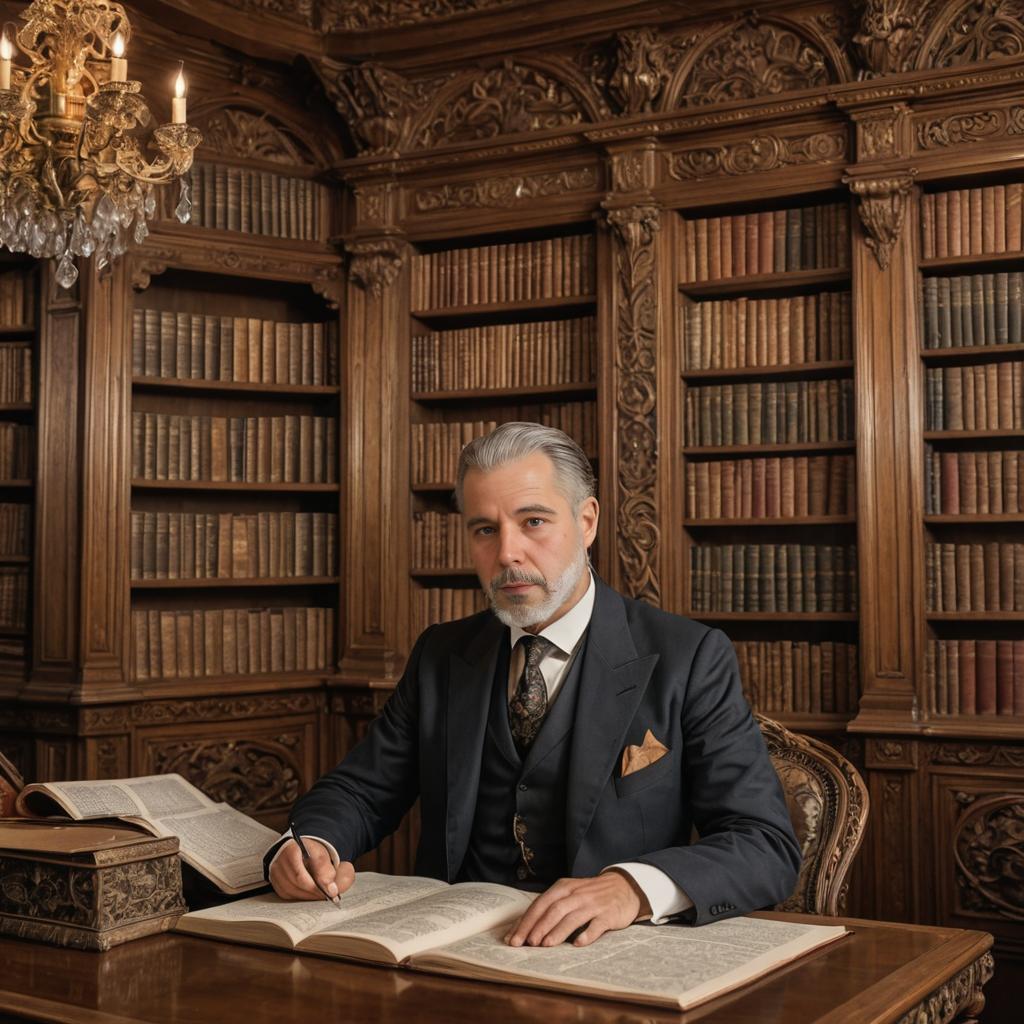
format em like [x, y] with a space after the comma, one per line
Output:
[305, 863]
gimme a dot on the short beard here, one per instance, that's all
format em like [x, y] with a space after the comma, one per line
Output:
[558, 591]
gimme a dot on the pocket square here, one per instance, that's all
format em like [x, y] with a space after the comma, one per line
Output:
[634, 758]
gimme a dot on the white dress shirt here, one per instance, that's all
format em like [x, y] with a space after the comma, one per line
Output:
[663, 895]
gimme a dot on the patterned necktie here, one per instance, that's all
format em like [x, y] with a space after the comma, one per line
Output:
[529, 703]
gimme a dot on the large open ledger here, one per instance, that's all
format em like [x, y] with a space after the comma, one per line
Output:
[221, 843]
[458, 929]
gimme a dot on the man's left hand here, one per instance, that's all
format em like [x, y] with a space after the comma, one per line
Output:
[596, 905]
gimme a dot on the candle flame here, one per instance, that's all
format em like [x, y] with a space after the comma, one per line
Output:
[5, 47]
[118, 45]
[179, 85]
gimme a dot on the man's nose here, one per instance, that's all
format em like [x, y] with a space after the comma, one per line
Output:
[510, 551]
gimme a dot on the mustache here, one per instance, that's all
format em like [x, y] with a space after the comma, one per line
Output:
[512, 575]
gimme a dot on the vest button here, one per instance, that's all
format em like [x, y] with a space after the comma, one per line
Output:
[523, 787]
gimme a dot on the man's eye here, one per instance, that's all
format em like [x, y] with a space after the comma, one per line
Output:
[484, 531]
[534, 521]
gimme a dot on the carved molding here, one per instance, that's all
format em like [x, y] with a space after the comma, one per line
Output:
[988, 844]
[969, 127]
[634, 229]
[882, 204]
[365, 15]
[251, 775]
[980, 30]
[887, 35]
[213, 709]
[962, 994]
[760, 153]
[989, 755]
[253, 135]
[504, 191]
[376, 263]
[36, 720]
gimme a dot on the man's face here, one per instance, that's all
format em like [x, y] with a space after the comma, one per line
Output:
[528, 548]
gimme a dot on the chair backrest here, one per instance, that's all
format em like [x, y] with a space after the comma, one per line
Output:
[828, 804]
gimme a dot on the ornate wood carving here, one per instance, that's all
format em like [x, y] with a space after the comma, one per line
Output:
[752, 58]
[760, 153]
[253, 135]
[634, 229]
[887, 35]
[882, 132]
[251, 775]
[212, 709]
[363, 15]
[642, 66]
[504, 191]
[882, 203]
[969, 754]
[962, 994]
[376, 263]
[969, 127]
[988, 841]
[893, 835]
[979, 31]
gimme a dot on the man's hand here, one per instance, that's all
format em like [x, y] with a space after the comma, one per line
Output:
[291, 881]
[595, 905]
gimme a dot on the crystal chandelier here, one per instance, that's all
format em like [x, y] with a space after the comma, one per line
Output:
[74, 179]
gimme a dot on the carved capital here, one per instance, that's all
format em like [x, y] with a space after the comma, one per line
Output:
[634, 170]
[883, 133]
[882, 203]
[375, 263]
[641, 70]
[375, 204]
[887, 35]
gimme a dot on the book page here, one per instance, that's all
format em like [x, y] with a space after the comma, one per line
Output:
[149, 797]
[162, 796]
[455, 912]
[667, 964]
[370, 894]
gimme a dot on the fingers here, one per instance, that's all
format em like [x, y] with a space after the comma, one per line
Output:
[527, 923]
[292, 881]
[344, 876]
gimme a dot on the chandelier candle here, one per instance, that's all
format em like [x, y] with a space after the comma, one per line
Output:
[178, 102]
[118, 64]
[5, 62]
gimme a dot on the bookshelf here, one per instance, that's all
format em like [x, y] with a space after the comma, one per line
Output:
[502, 329]
[972, 356]
[769, 528]
[19, 319]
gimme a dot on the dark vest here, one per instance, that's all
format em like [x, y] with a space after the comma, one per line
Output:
[533, 789]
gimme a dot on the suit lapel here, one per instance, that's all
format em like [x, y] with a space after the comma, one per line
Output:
[611, 687]
[470, 679]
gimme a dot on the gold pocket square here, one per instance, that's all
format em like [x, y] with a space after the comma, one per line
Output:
[634, 758]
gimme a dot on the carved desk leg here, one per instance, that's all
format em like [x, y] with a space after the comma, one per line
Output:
[959, 1000]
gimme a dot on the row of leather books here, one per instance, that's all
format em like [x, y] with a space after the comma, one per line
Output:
[16, 441]
[13, 596]
[232, 545]
[972, 221]
[975, 309]
[14, 525]
[975, 677]
[505, 272]
[505, 356]
[17, 298]
[15, 372]
[238, 349]
[257, 202]
[242, 449]
[801, 485]
[974, 577]
[766, 242]
[436, 446]
[985, 396]
[973, 483]
[728, 333]
[773, 578]
[798, 676]
[439, 541]
[444, 604]
[191, 643]
[770, 412]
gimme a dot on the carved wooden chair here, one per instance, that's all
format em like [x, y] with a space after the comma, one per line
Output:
[828, 804]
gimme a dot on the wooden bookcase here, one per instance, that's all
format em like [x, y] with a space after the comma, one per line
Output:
[502, 329]
[769, 542]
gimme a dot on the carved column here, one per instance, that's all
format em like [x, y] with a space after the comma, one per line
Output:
[376, 439]
[888, 387]
[633, 491]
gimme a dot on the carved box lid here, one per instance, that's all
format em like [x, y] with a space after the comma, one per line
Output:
[81, 844]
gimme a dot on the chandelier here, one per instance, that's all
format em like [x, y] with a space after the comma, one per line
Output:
[74, 177]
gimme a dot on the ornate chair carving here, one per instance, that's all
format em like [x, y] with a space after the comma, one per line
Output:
[828, 804]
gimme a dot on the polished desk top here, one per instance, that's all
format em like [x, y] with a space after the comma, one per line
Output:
[876, 974]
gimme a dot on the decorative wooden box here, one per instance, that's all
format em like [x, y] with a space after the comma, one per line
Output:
[85, 885]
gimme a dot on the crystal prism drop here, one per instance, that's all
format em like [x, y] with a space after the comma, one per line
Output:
[183, 211]
[141, 231]
[67, 272]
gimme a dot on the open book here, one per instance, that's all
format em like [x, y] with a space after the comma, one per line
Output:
[458, 929]
[221, 843]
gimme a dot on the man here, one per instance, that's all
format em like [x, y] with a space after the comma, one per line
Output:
[578, 763]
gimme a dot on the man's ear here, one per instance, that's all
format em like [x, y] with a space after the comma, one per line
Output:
[588, 516]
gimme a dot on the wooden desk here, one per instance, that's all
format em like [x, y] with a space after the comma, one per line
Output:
[881, 973]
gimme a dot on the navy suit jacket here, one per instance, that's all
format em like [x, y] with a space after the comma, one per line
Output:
[643, 669]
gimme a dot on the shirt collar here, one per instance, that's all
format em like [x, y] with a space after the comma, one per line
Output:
[565, 632]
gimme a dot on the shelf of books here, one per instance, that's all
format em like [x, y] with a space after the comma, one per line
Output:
[768, 452]
[972, 294]
[19, 319]
[234, 568]
[502, 330]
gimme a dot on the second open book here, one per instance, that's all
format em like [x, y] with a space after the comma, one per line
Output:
[459, 929]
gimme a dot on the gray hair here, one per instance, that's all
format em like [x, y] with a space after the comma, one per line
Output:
[513, 441]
